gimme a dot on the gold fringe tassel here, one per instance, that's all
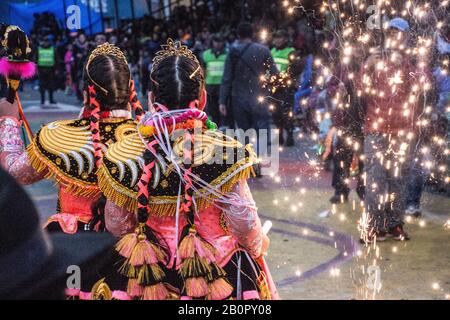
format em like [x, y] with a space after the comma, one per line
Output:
[50, 171]
[115, 192]
[122, 196]
[191, 266]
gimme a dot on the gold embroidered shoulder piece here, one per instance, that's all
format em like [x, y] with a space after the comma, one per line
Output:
[218, 160]
[64, 150]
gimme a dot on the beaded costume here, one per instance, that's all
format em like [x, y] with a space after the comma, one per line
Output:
[67, 151]
[198, 234]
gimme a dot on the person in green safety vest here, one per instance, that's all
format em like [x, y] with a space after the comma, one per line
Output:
[281, 107]
[281, 51]
[214, 63]
[46, 61]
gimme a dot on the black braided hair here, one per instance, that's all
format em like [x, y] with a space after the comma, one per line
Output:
[177, 81]
[98, 214]
[112, 74]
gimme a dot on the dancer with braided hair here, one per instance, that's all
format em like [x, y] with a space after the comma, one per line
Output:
[71, 151]
[197, 234]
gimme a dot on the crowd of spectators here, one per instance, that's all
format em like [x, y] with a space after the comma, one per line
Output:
[311, 39]
[141, 38]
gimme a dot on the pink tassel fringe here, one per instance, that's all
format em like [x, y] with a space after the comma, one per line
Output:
[25, 70]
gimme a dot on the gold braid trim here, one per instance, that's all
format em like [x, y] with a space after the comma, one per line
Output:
[114, 191]
[243, 174]
[101, 291]
[51, 171]
[162, 206]
[263, 286]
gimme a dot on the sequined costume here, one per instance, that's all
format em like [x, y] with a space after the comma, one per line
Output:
[62, 151]
[227, 225]
[197, 232]
[70, 151]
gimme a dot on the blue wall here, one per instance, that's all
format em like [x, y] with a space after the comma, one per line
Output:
[21, 13]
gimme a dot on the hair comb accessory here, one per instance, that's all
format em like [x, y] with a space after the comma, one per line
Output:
[174, 49]
[135, 103]
[105, 49]
[195, 72]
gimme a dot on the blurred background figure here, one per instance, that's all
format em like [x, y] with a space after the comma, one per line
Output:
[241, 89]
[47, 62]
[345, 139]
[81, 50]
[283, 55]
[281, 50]
[145, 65]
[214, 63]
[68, 67]
[100, 39]
[386, 219]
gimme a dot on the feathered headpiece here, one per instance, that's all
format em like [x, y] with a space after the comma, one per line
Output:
[17, 48]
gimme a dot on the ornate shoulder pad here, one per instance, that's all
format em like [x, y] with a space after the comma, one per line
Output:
[218, 160]
[64, 150]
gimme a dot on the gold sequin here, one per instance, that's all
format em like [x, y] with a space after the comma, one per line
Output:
[84, 175]
[223, 222]
[114, 170]
[108, 128]
[124, 130]
[164, 184]
[101, 291]
[58, 161]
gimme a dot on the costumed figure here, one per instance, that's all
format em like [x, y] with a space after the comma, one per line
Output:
[16, 66]
[198, 234]
[70, 151]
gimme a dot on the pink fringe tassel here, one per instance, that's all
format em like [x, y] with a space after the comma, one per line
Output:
[197, 287]
[144, 253]
[192, 244]
[134, 289]
[156, 292]
[187, 247]
[25, 70]
[203, 251]
[126, 245]
[219, 289]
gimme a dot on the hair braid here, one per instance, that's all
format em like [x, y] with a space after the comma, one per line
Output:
[202, 276]
[95, 125]
[188, 158]
[144, 256]
[113, 75]
[143, 193]
[176, 83]
[135, 103]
